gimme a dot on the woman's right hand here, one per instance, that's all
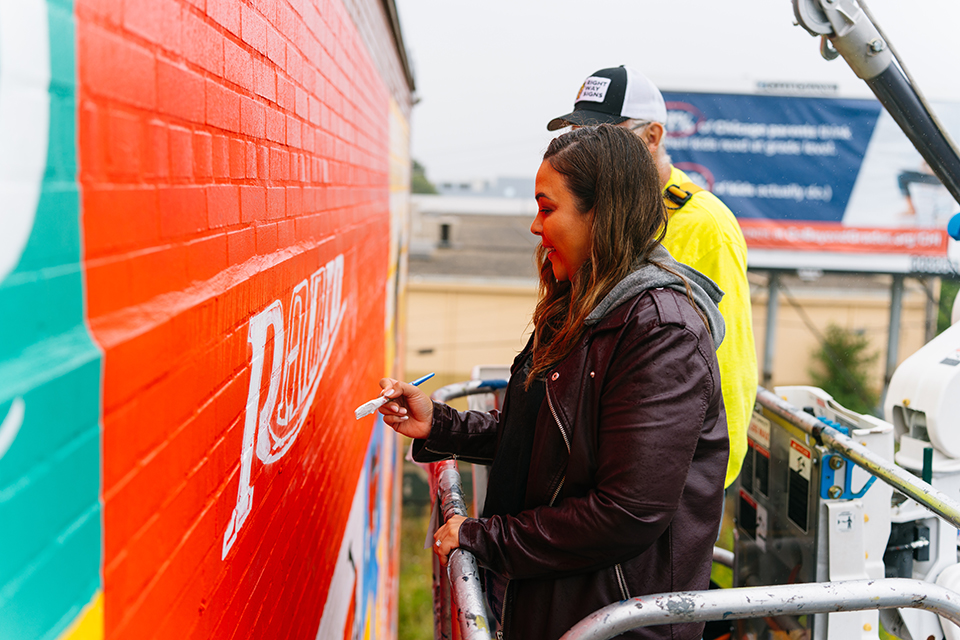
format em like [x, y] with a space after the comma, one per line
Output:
[410, 410]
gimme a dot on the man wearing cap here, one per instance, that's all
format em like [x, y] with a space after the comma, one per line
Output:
[702, 233]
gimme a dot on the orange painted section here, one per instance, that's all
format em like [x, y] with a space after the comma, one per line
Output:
[234, 170]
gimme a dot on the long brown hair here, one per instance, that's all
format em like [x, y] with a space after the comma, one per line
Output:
[608, 170]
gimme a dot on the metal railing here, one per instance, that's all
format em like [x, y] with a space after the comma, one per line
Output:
[458, 587]
[462, 584]
[462, 577]
[794, 599]
[758, 602]
[897, 477]
[723, 557]
[469, 388]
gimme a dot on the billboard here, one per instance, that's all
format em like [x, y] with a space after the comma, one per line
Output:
[817, 182]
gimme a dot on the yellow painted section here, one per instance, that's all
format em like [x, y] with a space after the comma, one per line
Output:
[89, 624]
[399, 152]
[400, 163]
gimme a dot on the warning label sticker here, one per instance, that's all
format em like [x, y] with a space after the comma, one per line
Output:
[798, 485]
[800, 459]
[759, 430]
[952, 358]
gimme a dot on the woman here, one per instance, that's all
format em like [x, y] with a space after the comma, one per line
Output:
[608, 459]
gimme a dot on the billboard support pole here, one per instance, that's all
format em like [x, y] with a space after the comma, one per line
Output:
[770, 334]
[893, 337]
[930, 330]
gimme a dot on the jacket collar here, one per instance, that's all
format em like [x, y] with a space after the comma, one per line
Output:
[651, 274]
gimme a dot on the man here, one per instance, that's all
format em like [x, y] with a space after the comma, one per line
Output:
[702, 233]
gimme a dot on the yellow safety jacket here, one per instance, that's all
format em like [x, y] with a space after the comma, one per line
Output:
[704, 234]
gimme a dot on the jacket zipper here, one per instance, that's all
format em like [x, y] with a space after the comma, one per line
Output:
[503, 614]
[556, 492]
[566, 439]
[453, 456]
[622, 581]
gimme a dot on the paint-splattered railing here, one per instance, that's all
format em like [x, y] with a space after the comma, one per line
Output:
[462, 574]
[754, 602]
[459, 586]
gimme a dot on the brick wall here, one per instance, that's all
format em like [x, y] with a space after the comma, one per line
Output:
[50, 369]
[234, 161]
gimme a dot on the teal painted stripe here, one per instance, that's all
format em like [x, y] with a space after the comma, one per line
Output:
[46, 359]
[46, 598]
[50, 477]
[42, 509]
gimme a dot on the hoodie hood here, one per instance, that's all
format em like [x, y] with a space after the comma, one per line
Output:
[647, 275]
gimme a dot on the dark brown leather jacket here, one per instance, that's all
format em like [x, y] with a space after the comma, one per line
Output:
[625, 485]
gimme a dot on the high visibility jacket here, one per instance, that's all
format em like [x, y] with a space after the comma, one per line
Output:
[704, 234]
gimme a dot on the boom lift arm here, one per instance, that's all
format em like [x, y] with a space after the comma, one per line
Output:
[846, 28]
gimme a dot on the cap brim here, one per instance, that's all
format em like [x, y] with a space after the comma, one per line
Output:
[584, 118]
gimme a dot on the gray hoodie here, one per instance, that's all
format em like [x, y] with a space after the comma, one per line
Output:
[647, 275]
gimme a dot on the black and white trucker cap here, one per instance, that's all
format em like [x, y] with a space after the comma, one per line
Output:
[613, 96]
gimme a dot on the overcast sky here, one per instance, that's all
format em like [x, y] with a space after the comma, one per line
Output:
[490, 75]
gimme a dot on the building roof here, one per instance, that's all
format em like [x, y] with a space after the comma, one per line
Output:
[391, 9]
[486, 238]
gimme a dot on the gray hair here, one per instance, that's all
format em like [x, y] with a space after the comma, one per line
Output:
[636, 124]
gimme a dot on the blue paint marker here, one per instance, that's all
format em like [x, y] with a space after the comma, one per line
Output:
[369, 407]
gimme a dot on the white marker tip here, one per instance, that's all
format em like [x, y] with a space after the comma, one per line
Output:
[369, 407]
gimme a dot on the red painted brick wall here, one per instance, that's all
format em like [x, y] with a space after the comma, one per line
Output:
[228, 150]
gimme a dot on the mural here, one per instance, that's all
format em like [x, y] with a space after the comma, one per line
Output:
[201, 271]
[358, 604]
[49, 366]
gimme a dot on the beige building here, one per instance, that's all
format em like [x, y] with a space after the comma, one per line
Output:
[472, 290]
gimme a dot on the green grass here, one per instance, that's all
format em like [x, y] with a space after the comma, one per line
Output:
[415, 615]
[415, 618]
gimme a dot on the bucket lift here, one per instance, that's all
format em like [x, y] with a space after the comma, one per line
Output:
[806, 513]
[923, 405]
[817, 516]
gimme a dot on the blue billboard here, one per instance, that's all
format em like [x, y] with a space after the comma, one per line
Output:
[816, 181]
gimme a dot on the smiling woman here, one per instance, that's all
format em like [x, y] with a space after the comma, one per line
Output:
[611, 449]
[608, 212]
[563, 228]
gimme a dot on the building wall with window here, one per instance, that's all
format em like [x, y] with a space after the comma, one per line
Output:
[471, 298]
[454, 325]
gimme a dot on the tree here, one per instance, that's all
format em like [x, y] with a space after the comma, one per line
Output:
[418, 180]
[841, 366]
[948, 293]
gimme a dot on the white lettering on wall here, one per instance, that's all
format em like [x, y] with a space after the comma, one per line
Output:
[300, 346]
